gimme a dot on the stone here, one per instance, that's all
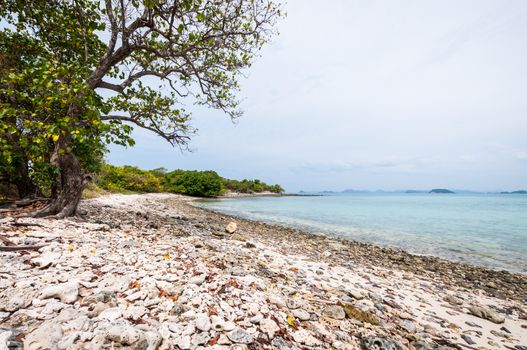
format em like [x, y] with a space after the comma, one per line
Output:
[468, 339]
[360, 315]
[229, 326]
[269, 327]
[231, 227]
[202, 322]
[276, 300]
[472, 324]
[451, 299]
[256, 318]
[4, 338]
[408, 326]
[127, 335]
[135, 312]
[198, 280]
[46, 336]
[376, 343]
[223, 340]
[301, 314]
[486, 313]
[293, 304]
[199, 339]
[114, 284]
[421, 345]
[356, 294]
[217, 323]
[183, 342]
[303, 336]
[334, 311]
[67, 292]
[13, 299]
[240, 336]
[111, 314]
[46, 259]
[281, 344]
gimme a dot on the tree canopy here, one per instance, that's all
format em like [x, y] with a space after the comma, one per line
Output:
[79, 74]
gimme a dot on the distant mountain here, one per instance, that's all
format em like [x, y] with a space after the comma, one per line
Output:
[354, 191]
[414, 191]
[515, 192]
[441, 190]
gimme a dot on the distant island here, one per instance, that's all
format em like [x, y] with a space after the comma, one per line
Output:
[441, 190]
[515, 192]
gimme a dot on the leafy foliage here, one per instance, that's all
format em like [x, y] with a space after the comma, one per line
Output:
[128, 178]
[153, 57]
[193, 183]
[190, 182]
[250, 186]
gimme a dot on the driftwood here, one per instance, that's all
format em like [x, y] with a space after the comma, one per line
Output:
[25, 224]
[12, 247]
[6, 241]
[15, 248]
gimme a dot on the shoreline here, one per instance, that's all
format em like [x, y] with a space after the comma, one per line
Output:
[399, 258]
[305, 229]
[154, 271]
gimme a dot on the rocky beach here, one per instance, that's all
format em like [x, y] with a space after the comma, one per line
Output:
[154, 271]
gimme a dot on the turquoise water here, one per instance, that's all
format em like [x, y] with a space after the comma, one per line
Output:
[486, 230]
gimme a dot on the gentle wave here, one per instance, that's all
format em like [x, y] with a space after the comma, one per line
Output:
[485, 230]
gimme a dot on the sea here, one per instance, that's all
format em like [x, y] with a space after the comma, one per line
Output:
[487, 230]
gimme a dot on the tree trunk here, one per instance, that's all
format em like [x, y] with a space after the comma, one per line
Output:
[69, 186]
[25, 186]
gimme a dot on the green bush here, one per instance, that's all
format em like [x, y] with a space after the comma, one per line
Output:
[128, 178]
[250, 186]
[193, 183]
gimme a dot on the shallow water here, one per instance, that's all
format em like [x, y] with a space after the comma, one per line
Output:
[487, 230]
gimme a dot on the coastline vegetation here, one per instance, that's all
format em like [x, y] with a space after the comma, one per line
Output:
[151, 59]
[123, 179]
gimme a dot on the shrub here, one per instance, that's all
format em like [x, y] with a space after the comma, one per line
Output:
[127, 178]
[193, 183]
[250, 186]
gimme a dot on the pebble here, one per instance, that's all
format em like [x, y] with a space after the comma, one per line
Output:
[202, 322]
[301, 314]
[157, 281]
[198, 280]
[334, 311]
[468, 339]
[269, 327]
[293, 303]
[240, 336]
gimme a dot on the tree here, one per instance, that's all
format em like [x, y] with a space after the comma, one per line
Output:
[159, 55]
[193, 183]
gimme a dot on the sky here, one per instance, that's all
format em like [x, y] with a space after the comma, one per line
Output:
[373, 95]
